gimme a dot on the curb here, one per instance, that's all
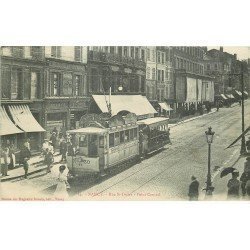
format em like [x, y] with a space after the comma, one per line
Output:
[19, 176]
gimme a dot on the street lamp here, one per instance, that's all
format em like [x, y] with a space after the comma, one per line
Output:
[243, 142]
[209, 135]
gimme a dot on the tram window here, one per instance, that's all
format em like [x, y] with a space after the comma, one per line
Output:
[131, 131]
[122, 137]
[135, 133]
[127, 135]
[83, 141]
[117, 138]
[111, 140]
[101, 141]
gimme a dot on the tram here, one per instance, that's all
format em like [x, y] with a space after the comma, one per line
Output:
[102, 143]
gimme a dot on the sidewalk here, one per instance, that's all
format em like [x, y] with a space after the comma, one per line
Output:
[36, 165]
[213, 110]
[220, 184]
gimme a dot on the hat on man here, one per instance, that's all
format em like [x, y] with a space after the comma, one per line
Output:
[193, 178]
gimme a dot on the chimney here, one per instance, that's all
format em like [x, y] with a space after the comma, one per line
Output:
[221, 49]
[235, 56]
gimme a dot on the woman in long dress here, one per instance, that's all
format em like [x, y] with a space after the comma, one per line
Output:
[61, 189]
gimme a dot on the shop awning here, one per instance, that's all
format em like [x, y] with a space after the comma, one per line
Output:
[230, 96]
[7, 127]
[238, 138]
[223, 96]
[165, 106]
[24, 119]
[238, 92]
[137, 104]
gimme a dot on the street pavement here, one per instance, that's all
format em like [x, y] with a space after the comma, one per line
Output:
[163, 176]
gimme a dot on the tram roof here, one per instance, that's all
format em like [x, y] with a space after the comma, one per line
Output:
[89, 130]
[153, 120]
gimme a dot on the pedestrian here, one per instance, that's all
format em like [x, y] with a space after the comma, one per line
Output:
[25, 155]
[63, 149]
[244, 178]
[193, 192]
[233, 186]
[48, 160]
[62, 185]
[217, 106]
[45, 146]
[12, 156]
[5, 161]
[53, 139]
[55, 131]
[27, 143]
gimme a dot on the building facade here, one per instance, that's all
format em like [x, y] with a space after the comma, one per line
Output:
[159, 74]
[22, 77]
[46, 86]
[193, 87]
[65, 87]
[119, 69]
[222, 66]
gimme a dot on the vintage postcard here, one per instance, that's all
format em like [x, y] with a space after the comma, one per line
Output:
[125, 123]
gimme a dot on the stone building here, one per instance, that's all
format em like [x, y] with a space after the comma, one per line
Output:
[22, 76]
[159, 77]
[193, 87]
[120, 69]
[65, 87]
[42, 88]
[222, 65]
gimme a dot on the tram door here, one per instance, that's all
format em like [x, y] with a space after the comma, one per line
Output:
[93, 145]
[102, 151]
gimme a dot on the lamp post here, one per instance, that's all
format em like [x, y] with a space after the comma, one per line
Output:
[243, 142]
[209, 135]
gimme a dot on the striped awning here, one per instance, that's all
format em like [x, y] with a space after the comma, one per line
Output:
[24, 119]
[165, 106]
[223, 96]
[7, 127]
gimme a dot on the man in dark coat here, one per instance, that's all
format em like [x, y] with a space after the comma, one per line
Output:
[233, 186]
[63, 149]
[24, 157]
[193, 192]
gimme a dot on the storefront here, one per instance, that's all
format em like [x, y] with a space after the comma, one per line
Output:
[24, 119]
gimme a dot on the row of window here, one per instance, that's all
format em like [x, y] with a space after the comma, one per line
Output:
[162, 75]
[162, 57]
[19, 84]
[193, 51]
[160, 94]
[189, 66]
[215, 66]
[66, 84]
[102, 81]
[37, 52]
[121, 137]
[126, 51]
[56, 51]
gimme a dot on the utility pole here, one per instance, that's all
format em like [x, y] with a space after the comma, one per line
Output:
[243, 142]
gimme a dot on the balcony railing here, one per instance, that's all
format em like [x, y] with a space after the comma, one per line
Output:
[115, 59]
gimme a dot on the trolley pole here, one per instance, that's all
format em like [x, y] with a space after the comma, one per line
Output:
[243, 141]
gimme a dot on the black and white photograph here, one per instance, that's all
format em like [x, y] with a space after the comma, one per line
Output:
[125, 123]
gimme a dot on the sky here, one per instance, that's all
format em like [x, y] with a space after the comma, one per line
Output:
[242, 52]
